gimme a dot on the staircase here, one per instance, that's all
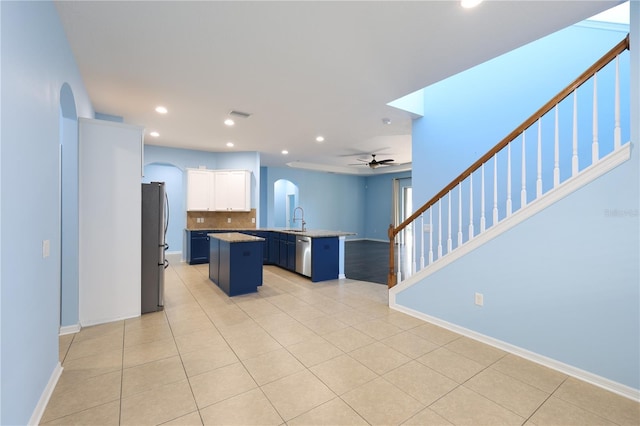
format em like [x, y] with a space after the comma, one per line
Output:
[482, 202]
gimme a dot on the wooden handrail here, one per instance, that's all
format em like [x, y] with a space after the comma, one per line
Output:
[584, 77]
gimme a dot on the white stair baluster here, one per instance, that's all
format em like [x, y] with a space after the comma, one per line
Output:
[574, 156]
[495, 190]
[509, 206]
[471, 206]
[439, 228]
[449, 242]
[523, 191]
[539, 177]
[459, 214]
[595, 154]
[482, 218]
[399, 274]
[556, 152]
[430, 235]
[422, 241]
[413, 247]
[617, 136]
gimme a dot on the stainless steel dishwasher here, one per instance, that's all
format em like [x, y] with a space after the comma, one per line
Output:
[303, 255]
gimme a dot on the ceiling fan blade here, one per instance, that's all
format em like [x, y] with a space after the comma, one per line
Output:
[385, 161]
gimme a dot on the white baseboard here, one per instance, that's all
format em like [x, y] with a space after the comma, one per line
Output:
[46, 395]
[69, 329]
[174, 257]
[108, 320]
[594, 379]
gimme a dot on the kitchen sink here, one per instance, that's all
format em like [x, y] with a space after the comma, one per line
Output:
[293, 230]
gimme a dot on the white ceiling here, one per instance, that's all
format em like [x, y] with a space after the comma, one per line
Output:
[302, 69]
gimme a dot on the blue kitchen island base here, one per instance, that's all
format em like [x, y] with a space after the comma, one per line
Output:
[235, 262]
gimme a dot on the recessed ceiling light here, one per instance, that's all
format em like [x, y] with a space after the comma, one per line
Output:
[468, 4]
[229, 122]
[230, 144]
[154, 134]
[161, 110]
[320, 139]
[285, 152]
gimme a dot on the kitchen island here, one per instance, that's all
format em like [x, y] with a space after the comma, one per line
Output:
[321, 260]
[235, 262]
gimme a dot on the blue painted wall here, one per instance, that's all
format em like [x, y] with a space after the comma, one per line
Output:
[36, 62]
[563, 284]
[378, 203]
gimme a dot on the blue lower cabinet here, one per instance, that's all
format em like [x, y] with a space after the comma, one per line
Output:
[240, 267]
[214, 260]
[197, 247]
[274, 248]
[325, 258]
[291, 252]
[283, 253]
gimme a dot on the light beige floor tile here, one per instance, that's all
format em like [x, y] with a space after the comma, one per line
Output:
[465, 407]
[257, 308]
[381, 403]
[427, 417]
[378, 329]
[221, 383]
[451, 364]
[106, 414]
[517, 396]
[305, 313]
[159, 405]
[297, 394]
[272, 366]
[149, 333]
[151, 375]
[529, 372]
[599, 401]
[403, 320]
[343, 374]
[352, 316]
[208, 358]
[188, 326]
[153, 319]
[191, 419]
[147, 352]
[95, 345]
[294, 333]
[84, 395]
[252, 344]
[409, 344]
[249, 408]
[379, 357]
[101, 330]
[79, 369]
[477, 351]
[64, 342]
[324, 324]
[421, 382]
[348, 339]
[334, 412]
[314, 351]
[558, 412]
[331, 307]
[199, 340]
[435, 334]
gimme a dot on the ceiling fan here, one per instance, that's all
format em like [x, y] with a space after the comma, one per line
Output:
[375, 163]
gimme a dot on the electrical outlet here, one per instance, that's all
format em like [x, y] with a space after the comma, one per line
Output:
[479, 299]
[253, 220]
[46, 248]
[426, 228]
[228, 220]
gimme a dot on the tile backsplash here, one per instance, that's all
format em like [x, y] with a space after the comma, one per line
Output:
[220, 220]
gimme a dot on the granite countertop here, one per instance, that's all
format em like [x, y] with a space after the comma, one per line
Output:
[235, 237]
[313, 233]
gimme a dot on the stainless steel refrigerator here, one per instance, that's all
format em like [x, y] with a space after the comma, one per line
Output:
[155, 219]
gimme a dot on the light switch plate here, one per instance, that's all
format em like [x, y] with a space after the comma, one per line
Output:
[46, 248]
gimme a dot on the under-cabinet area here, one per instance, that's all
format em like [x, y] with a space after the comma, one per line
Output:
[315, 254]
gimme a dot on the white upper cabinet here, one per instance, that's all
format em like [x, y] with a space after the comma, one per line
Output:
[232, 190]
[218, 190]
[199, 189]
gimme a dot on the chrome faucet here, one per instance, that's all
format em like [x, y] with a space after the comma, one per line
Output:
[301, 218]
